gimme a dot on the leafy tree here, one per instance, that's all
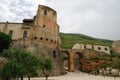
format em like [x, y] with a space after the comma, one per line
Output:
[31, 65]
[30, 62]
[46, 66]
[5, 41]
[12, 70]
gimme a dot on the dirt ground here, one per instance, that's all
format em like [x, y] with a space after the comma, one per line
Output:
[78, 76]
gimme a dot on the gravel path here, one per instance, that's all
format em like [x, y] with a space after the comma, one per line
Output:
[77, 76]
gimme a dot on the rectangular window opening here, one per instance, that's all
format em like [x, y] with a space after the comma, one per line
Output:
[54, 54]
[45, 12]
[24, 34]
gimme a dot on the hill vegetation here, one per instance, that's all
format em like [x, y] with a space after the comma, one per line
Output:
[68, 40]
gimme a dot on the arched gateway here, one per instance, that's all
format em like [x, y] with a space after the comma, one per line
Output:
[72, 59]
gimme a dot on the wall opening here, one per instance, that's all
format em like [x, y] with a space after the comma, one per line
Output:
[35, 38]
[11, 32]
[78, 63]
[54, 54]
[55, 42]
[92, 47]
[106, 49]
[51, 40]
[84, 46]
[46, 39]
[45, 12]
[99, 48]
[66, 60]
[24, 34]
[41, 38]
[44, 26]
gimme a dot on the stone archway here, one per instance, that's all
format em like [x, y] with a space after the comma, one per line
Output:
[72, 60]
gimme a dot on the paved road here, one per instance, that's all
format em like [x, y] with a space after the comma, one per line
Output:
[77, 76]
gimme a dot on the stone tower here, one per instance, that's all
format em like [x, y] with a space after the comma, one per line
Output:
[47, 38]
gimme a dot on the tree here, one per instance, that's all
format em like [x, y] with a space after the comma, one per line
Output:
[30, 62]
[12, 70]
[46, 66]
[5, 41]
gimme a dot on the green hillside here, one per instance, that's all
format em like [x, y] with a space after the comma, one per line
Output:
[68, 40]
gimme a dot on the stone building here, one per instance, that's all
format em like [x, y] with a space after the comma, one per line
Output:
[98, 48]
[39, 35]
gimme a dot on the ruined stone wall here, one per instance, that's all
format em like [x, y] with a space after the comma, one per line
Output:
[104, 49]
[78, 46]
[98, 48]
[88, 46]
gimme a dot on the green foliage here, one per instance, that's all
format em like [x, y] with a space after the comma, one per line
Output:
[117, 66]
[30, 63]
[106, 65]
[46, 66]
[68, 40]
[12, 69]
[112, 60]
[95, 58]
[5, 41]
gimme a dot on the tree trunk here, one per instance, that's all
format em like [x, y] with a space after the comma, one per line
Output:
[28, 78]
[46, 77]
[21, 77]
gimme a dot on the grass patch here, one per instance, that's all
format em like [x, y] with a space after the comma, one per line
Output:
[68, 40]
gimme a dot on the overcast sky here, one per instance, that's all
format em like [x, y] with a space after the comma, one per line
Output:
[96, 18]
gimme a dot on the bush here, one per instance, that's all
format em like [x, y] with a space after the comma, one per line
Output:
[5, 41]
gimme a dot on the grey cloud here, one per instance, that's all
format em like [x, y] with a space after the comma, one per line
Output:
[16, 10]
[97, 18]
